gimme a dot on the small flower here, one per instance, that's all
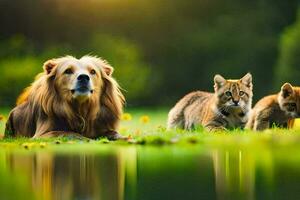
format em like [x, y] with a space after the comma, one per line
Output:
[126, 117]
[144, 119]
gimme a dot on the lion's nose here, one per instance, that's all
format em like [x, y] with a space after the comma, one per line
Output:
[83, 78]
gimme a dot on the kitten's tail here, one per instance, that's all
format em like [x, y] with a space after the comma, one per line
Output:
[175, 118]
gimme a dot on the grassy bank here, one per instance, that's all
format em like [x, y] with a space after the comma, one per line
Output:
[147, 127]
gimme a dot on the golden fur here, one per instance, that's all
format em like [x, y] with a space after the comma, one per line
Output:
[278, 109]
[49, 108]
[228, 107]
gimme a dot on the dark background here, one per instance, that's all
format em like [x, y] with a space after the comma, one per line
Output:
[161, 49]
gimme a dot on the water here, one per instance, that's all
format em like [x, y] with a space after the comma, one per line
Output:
[140, 172]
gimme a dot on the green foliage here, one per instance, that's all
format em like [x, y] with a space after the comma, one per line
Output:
[288, 66]
[16, 73]
[161, 49]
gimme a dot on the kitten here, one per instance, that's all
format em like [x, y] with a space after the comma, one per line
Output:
[278, 109]
[226, 108]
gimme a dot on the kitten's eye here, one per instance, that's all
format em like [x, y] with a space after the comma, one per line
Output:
[68, 71]
[291, 107]
[241, 93]
[93, 72]
[228, 93]
[294, 105]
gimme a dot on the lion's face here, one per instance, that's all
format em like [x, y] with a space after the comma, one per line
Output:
[77, 79]
[81, 94]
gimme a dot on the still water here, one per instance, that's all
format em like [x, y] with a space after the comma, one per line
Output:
[111, 172]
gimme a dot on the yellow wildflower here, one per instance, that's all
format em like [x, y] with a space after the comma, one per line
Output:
[2, 118]
[126, 117]
[144, 119]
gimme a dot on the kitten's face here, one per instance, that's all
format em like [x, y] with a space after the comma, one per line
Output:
[289, 100]
[234, 94]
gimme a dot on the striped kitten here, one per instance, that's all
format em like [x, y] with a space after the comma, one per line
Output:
[227, 108]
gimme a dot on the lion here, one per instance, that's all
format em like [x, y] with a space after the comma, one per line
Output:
[71, 97]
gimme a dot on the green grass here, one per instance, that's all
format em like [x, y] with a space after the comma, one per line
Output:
[4, 113]
[148, 127]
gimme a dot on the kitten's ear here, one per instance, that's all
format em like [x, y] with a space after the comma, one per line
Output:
[219, 81]
[286, 90]
[247, 80]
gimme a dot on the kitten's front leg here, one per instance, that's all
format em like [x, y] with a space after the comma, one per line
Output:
[215, 124]
[215, 127]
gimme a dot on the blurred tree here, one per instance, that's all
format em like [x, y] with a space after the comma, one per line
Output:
[17, 73]
[288, 65]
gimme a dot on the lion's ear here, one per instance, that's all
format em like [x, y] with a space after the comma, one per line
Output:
[49, 66]
[108, 70]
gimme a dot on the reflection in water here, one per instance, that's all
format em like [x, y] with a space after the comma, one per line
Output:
[117, 173]
[234, 174]
[74, 176]
[240, 172]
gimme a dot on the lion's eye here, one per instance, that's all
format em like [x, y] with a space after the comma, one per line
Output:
[228, 93]
[241, 93]
[68, 71]
[93, 71]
